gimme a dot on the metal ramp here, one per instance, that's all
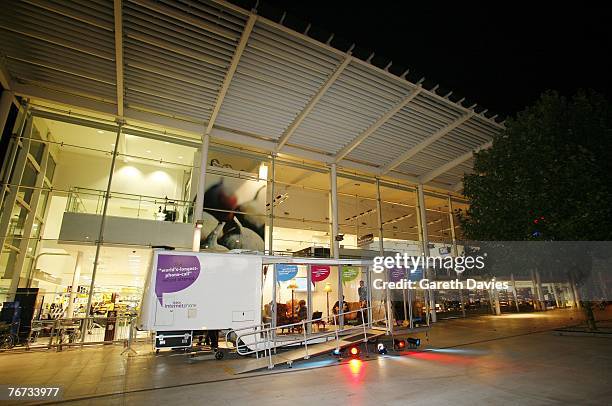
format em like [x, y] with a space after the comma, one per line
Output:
[305, 352]
[264, 342]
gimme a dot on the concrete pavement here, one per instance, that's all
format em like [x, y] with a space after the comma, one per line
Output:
[511, 359]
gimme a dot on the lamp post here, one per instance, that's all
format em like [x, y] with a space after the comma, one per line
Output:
[293, 286]
[327, 289]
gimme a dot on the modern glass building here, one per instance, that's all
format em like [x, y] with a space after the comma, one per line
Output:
[133, 124]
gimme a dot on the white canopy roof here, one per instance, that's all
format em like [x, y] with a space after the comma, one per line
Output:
[214, 67]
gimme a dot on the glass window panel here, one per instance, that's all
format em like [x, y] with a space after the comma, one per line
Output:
[301, 238]
[357, 214]
[219, 157]
[37, 147]
[153, 180]
[33, 241]
[7, 263]
[298, 203]
[438, 221]
[42, 203]
[301, 211]
[16, 223]
[400, 220]
[28, 181]
[27, 264]
[51, 165]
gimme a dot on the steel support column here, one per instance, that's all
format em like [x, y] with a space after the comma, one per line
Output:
[76, 275]
[540, 291]
[381, 250]
[424, 235]
[199, 203]
[455, 249]
[334, 210]
[272, 198]
[553, 287]
[514, 292]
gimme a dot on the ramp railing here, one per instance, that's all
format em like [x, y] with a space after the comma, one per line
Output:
[264, 339]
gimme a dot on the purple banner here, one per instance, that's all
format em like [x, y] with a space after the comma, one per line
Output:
[175, 273]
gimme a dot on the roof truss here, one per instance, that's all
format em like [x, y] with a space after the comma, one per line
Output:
[431, 175]
[427, 142]
[244, 38]
[357, 141]
[312, 103]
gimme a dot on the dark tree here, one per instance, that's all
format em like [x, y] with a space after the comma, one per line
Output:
[547, 177]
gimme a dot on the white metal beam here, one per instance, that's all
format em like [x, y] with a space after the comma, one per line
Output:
[427, 142]
[355, 143]
[312, 103]
[451, 164]
[118, 8]
[229, 75]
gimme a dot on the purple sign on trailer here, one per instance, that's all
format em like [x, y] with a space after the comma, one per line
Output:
[175, 273]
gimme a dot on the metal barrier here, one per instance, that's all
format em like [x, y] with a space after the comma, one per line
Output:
[80, 331]
[266, 340]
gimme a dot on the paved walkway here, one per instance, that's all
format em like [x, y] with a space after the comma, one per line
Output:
[469, 361]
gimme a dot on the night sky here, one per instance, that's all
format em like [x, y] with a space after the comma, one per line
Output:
[500, 58]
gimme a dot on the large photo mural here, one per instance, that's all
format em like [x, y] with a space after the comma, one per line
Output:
[234, 214]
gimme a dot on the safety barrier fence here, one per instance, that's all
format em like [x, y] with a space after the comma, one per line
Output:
[60, 333]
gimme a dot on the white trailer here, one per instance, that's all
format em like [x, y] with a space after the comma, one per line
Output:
[189, 291]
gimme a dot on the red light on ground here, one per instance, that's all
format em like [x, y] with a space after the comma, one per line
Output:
[354, 351]
[355, 367]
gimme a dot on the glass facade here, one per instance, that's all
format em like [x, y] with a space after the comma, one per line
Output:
[54, 203]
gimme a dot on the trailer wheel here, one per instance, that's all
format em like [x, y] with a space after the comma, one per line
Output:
[219, 355]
